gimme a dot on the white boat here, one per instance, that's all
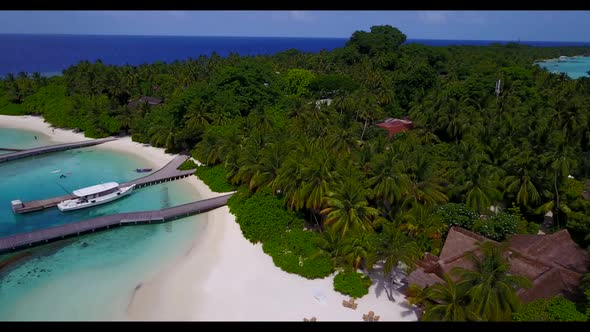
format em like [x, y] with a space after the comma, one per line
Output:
[95, 195]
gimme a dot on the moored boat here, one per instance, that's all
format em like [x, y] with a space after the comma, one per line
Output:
[95, 195]
[143, 170]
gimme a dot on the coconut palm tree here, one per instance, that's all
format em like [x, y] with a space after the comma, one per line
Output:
[330, 243]
[356, 252]
[423, 187]
[388, 182]
[521, 168]
[395, 247]
[448, 302]
[348, 209]
[491, 288]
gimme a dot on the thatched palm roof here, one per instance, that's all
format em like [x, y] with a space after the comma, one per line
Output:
[554, 263]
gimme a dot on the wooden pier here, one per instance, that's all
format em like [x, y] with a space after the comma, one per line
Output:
[12, 150]
[165, 174]
[42, 236]
[52, 148]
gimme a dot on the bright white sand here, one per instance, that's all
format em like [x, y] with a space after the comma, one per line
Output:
[38, 124]
[223, 277]
[226, 278]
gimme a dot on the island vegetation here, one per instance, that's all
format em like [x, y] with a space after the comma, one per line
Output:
[324, 190]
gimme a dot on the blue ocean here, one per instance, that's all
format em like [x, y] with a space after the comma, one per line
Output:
[50, 54]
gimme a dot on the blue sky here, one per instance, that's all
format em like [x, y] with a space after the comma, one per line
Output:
[486, 25]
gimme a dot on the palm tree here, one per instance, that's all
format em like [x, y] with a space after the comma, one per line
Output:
[492, 289]
[521, 167]
[331, 244]
[395, 247]
[317, 172]
[348, 209]
[356, 251]
[423, 186]
[476, 178]
[198, 116]
[448, 302]
[271, 159]
[388, 182]
[560, 162]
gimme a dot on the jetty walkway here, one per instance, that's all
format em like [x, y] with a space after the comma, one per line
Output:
[42, 236]
[13, 150]
[164, 174]
[52, 148]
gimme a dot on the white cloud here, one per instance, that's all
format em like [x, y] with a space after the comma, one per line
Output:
[432, 17]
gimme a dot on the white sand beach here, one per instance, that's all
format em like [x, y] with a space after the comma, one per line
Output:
[38, 124]
[226, 278]
[223, 277]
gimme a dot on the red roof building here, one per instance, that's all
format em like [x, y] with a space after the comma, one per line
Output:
[394, 126]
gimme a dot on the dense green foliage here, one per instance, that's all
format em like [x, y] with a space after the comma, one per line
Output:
[294, 251]
[459, 215]
[255, 122]
[556, 309]
[215, 177]
[497, 226]
[263, 218]
[187, 165]
[353, 284]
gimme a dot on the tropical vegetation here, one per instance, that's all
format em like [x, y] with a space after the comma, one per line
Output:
[321, 186]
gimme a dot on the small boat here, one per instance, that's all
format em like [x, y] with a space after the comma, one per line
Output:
[95, 195]
[56, 171]
[143, 170]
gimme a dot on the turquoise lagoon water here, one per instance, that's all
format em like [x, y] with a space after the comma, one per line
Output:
[91, 277]
[574, 67]
[20, 139]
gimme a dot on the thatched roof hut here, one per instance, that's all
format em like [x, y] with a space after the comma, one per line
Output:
[554, 263]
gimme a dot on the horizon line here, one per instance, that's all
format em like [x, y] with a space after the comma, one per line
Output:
[307, 37]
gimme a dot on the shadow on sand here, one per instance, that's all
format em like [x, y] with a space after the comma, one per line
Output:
[383, 285]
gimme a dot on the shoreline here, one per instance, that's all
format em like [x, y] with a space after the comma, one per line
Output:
[38, 124]
[222, 276]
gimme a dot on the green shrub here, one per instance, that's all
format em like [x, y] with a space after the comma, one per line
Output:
[556, 309]
[294, 252]
[262, 215]
[504, 225]
[497, 226]
[460, 215]
[573, 189]
[188, 165]
[353, 284]
[12, 109]
[533, 228]
[215, 177]
[485, 228]
[263, 218]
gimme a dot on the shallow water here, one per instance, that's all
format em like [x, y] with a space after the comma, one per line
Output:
[574, 67]
[91, 277]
